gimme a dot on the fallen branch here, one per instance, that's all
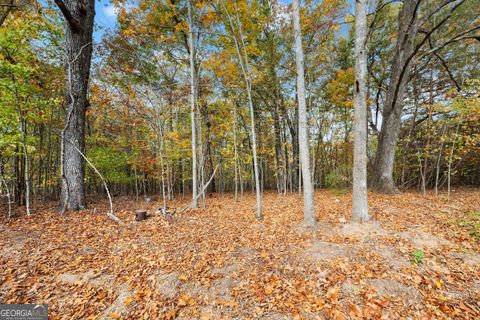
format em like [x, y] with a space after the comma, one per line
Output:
[200, 193]
[110, 214]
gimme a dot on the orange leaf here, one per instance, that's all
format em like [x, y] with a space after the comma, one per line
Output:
[354, 309]
[268, 289]
[338, 315]
[171, 314]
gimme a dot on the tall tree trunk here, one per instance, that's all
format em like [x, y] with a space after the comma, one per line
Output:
[235, 153]
[308, 204]
[450, 158]
[360, 197]
[192, 108]
[79, 16]
[208, 147]
[246, 72]
[412, 125]
[294, 164]
[382, 179]
[162, 164]
[278, 151]
[439, 158]
[27, 167]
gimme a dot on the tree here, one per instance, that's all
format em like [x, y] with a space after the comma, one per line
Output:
[193, 99]
[79, 18]
[308, 204]
[384, 161]
[360, 197]
[418, 22]
[243, 59]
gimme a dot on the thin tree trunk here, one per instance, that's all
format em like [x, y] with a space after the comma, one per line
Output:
[308, 204]
[136, 180]
[450, 160]
[7, 189]
[422, 175]
[429, 135]
[192, 108]
[437, 176]
[200, 151]
[235, 148]
[412, 125]
[162, 164]
[111, 213]
[245, 66]
[26, 171]
[360, 196]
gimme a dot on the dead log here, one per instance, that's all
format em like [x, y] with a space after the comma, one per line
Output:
[140, 215]
[151, 199]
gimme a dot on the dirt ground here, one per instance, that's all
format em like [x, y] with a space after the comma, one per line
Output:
[221, 263]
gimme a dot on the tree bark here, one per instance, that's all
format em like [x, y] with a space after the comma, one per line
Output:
[79, 16]
[308, 204]
[278, 151]
[360, 196]
[235, 148]
[192, 108]
[246, 72]
[382, 179]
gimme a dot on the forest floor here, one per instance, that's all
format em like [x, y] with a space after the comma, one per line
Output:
[419, 258]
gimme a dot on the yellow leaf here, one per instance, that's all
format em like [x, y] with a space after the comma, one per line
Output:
[233, 304]
[128, 301]
[115, 316]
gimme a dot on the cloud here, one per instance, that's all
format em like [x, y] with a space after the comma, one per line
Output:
[110, 11]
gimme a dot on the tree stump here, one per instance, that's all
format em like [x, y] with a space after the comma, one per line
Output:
[140, 215]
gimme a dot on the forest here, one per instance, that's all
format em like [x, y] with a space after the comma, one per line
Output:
[240, 159]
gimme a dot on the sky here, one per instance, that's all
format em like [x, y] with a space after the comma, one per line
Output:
[105, 18]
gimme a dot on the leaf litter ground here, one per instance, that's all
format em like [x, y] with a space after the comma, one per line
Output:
[221, 263]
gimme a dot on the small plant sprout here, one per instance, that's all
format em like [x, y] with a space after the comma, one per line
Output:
[418, 256]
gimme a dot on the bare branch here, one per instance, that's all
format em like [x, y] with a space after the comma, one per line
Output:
[459, 37]
[434, 11]
[445, 66]
[422, 42]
